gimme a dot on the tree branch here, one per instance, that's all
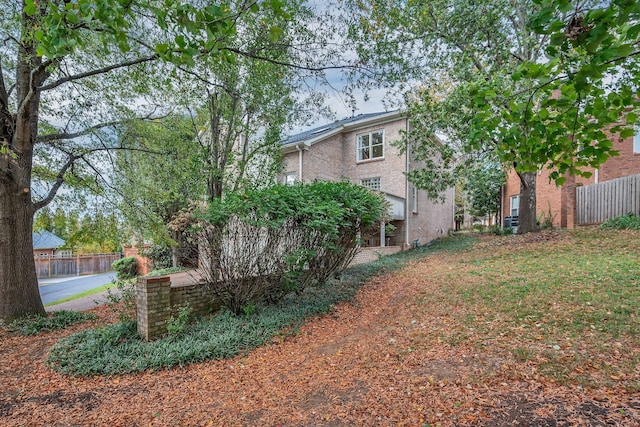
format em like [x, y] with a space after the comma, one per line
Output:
[98, 71]
[67, 135]
[285, 64]
[59, 181]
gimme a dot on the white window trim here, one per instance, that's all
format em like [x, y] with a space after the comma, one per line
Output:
[358, 160]
[636, 140]
[516, 197]
[286, 179]
[414, 200]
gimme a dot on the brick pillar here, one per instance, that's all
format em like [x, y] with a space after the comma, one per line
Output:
[153, 306]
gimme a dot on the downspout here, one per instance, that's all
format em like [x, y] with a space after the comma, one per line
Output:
[406, 188]
[502, 188]
[300, 150]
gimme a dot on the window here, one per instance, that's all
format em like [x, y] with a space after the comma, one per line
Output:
[515, 205]
[414, 200]
[370, 145]
[372, 183]
[636, 140]
[290, 178]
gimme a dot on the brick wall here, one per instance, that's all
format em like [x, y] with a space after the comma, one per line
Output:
[335, 158]
[561, 200]
[157, 300]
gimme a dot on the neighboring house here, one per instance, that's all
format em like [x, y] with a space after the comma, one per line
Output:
[46, 244]
[558, 203]
[359, 149]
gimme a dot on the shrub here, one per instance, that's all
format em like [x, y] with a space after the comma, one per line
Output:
[126, 268]
[628, 221]
[266, 243]
[56, 320]
[160, 256]
[123, 299]
[177, 324]
[118, 349]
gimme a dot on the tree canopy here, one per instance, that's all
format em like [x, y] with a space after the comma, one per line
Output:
[72, 72]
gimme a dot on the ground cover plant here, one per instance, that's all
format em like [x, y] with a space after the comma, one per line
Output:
[117, 348]
[61, 319]
[475, 330]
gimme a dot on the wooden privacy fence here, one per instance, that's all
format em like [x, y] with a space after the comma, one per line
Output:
[50, 266]
[597, 203]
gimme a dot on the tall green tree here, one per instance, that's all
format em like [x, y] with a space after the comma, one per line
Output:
[158, 178]
[482, 187]
[70, 72]
[534, 82]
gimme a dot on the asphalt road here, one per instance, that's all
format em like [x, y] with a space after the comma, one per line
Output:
[59, 288]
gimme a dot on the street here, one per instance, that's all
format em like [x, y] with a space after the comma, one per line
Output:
[59, 288]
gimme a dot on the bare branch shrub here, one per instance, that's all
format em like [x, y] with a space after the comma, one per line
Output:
[264, 244]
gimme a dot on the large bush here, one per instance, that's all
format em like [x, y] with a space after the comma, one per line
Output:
[126, 268]
[266, 243]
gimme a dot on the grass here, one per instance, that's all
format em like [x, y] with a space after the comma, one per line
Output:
[90, 292]
[568, 306]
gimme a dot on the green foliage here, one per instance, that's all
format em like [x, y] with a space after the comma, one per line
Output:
[117, 349]
[164, 271]
[123, 299]
[545, 219]
[502, 231]
[482, 187]
[126, 268]
[535, 83]
[628, 221]
[263, 244]
[177, 324]
[88, 233]
[160, 256]
[34, 325]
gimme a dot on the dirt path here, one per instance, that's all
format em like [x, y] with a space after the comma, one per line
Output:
[383, 360]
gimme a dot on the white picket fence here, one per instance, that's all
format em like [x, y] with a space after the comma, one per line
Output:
[597, 203]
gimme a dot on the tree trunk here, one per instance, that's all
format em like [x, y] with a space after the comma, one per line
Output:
[19, 293]
[527, 209]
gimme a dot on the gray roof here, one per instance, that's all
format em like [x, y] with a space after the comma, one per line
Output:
[328, 128]
[46, 240]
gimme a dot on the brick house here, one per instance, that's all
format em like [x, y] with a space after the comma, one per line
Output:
[559, 202]
[360, 150]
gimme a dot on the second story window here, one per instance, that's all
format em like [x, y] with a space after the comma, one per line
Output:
[372, 183]
[636, 140]
[370, 145]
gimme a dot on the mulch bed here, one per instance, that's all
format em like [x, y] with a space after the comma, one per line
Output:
[376, 361]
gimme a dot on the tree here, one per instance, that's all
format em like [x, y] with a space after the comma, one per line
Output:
[157, 179]
[556, 113]
[482, 187]
[486, 84]
[69, 71]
